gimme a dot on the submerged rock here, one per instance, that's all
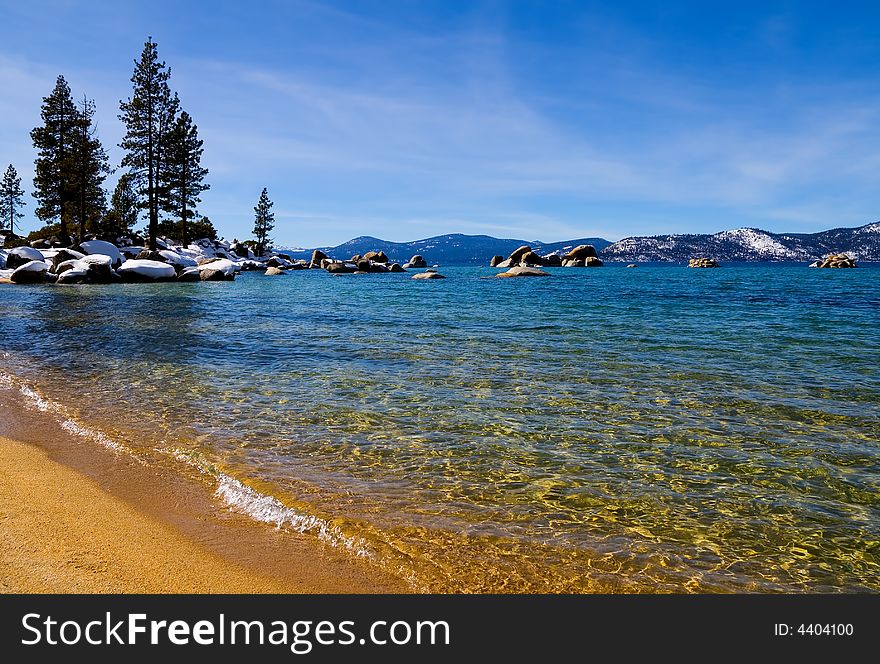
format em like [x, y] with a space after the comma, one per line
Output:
[632, 265]
[430, 274]
[522, 271]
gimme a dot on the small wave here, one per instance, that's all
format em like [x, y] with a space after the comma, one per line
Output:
[35, 400]
[267, 509]
[98, 437]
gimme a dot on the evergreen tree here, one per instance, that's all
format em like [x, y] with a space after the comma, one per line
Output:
[264, 222]
[149, 116]
[54, 142]
[185, 175]
[201, 228]
[10, 198]
[89, 169]
[123, 213]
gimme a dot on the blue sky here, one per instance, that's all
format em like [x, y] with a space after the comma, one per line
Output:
[539, 120]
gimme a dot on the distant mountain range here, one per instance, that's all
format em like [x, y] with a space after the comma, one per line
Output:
[454, 249]
[741, 244]
[750, 244]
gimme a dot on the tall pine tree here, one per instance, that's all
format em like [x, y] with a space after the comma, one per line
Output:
[149, 116]
[264, 222]
[10, 199]
[90, 167]
[54, 142]
[185, 175]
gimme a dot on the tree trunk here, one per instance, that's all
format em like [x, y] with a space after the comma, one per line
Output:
[61, 181]
[151, 184]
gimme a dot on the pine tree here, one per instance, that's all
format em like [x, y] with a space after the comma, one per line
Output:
[124, 210]
[185, 175]
[54, 142]
[149, 117]
[90, 167]
[264, 222]
[10, 198]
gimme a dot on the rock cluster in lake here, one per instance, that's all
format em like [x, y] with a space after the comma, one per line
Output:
[583, 255]
[99, 262]
[702, 262]
[836, 261]
[371, 262]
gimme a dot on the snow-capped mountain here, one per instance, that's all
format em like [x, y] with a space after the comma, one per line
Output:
[750, 244]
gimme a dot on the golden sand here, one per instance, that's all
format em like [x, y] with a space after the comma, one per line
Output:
[62, 532]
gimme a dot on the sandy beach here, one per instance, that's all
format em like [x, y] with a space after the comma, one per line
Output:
[75, 519]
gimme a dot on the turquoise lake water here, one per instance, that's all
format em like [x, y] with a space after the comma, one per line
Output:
[649, 429]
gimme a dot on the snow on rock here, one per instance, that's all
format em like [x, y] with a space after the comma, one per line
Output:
[101, 247]
[146, 269]
[32, 272]
[175, 258]
[97, 259]
[75, 275]
[227, 267]
[28, 253]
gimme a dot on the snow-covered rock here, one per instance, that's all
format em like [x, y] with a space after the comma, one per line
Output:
[32, 272]
[175, 258]
[97, 259]
[75, 275]
[218, 270]
[101, 247]
[145, 270]
[29, 253]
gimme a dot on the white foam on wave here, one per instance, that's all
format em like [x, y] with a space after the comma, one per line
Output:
[243, 499]
[35, 400]
[234, 493]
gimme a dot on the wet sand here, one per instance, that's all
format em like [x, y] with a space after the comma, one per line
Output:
[78, 519]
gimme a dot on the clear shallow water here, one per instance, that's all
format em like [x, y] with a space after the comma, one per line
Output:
[655, 429]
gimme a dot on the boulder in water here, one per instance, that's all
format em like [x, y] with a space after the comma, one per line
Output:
[523, 271]
[837, 261]
[273, 271]
[496, 261]
[430, 274]
[702, 262]
[139, 270]
[582, 251]
[32, 272]
[416, 261]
